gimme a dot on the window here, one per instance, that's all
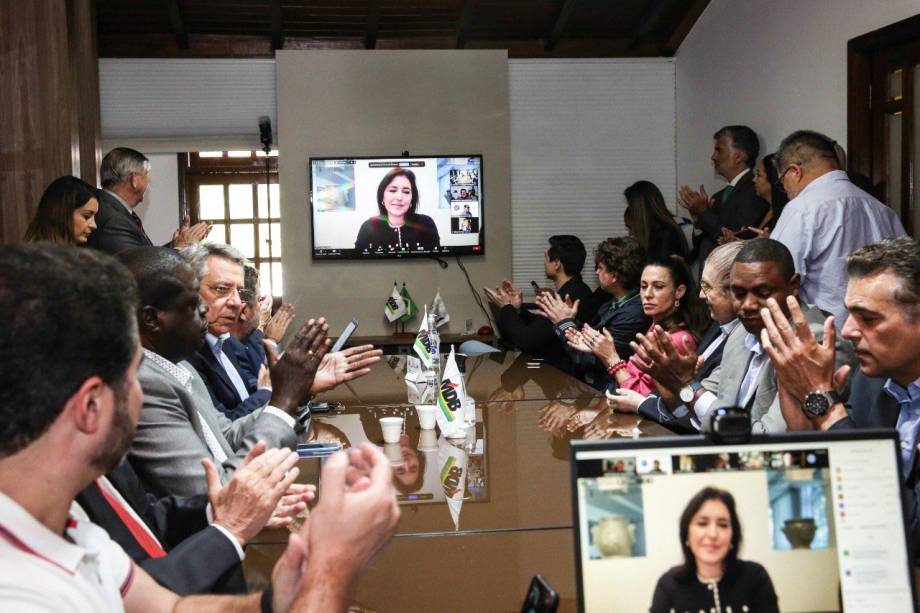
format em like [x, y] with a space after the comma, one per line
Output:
[227, 188]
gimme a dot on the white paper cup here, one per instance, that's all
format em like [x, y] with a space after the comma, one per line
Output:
[391, 428]
[427, 415]
[427, 440]
[393, 452]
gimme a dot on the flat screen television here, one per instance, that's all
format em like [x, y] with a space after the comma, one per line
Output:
[371, 208]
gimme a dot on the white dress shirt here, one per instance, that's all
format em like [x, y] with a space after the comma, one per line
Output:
[216, 344]
[821, 226]
[86, 572]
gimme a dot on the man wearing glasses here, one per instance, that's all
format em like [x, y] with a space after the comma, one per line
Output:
[826, 219]
[222, 288]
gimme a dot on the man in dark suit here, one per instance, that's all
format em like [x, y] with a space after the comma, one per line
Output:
[618, 263]
[883, 300]
[222, 289]
[737, 205]
[532, 333]
[173, 539]
[125, 177]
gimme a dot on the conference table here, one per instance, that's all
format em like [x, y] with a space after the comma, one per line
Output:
[478, 551]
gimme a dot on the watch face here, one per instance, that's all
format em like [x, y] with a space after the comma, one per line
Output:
[816, 403]
[686, 394]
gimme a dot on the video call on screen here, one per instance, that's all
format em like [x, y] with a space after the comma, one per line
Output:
[344, 200]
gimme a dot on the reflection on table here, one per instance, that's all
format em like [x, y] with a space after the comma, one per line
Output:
[504, 376]
[503, 487]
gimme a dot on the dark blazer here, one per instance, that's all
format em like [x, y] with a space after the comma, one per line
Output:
[533, 334]
[223, 393]
[200, 558]
[743, 208]
[870, 406]
[250, 356]
[682, 425]
[115, 229]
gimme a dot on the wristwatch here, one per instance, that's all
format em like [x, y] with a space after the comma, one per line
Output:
[817, 403]
[688, 392]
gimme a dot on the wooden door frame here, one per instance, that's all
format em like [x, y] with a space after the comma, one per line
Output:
[863, 157]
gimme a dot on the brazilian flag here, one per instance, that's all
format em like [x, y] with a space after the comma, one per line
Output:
[411, 307]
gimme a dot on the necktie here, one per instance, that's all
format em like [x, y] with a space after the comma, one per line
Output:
[141, 533]
[137, 220]
[229, 368]
[727, 192]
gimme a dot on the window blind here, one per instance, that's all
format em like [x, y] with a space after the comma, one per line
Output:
[582, 131]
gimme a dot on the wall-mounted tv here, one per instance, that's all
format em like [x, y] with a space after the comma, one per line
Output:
[396, 207]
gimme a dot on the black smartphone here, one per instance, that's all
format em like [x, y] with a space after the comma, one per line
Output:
[345, 335]
[313, 450]
[540, 597]
[534, 285]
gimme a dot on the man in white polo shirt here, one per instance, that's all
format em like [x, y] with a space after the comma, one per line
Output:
[69, 404]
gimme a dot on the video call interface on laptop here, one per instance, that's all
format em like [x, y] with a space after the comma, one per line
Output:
[822, 516]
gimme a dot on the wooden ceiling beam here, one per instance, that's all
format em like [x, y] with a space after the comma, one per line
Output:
[692, 12]
[373, 22]
[274, 7]
[650, 17]
[465, 23]
[562, 20]
[177, 23]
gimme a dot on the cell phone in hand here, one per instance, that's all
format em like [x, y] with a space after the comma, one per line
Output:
[535, 287]
[313, 450]
[540, 597]
[345, 335]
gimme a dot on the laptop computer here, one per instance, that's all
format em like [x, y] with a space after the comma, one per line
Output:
[822, 514]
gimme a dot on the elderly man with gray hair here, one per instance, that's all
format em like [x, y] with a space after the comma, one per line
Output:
[125, 178]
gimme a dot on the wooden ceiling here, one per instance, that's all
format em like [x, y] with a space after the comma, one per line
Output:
[526, 28]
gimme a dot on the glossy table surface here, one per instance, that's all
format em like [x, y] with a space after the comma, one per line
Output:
[499, 376]
[514, 517]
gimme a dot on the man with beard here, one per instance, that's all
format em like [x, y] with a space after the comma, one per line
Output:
[69, 402]
[883, 300]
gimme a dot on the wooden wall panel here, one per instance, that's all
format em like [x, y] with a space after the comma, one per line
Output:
[49, 105]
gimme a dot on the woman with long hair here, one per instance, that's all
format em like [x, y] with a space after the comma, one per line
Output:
[713, 577]
[651, 224]
[768, 186]
[66, 213]
[670, 298]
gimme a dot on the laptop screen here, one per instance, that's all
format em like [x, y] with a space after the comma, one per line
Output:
[820, 518]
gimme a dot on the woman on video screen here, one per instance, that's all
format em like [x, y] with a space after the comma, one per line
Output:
[398, 225]
[712, 578]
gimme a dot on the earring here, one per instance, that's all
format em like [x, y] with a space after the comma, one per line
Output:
[687, 542]
[676, 303]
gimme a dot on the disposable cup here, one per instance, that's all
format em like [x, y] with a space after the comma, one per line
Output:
[391, 428]
[427, 415]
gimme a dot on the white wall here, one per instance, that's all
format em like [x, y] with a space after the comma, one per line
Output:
[160, 208]
[776, 66]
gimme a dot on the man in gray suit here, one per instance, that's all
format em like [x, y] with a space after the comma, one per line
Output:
[745, 378]
[178, 425]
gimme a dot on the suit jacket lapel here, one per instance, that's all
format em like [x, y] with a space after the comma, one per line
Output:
[218, 369]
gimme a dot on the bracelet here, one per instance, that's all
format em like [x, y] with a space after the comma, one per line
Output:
[265, 603]
[613, 370]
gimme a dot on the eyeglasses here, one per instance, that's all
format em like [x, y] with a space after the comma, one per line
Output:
[783, 174]
[223, 291]
[707, 289]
